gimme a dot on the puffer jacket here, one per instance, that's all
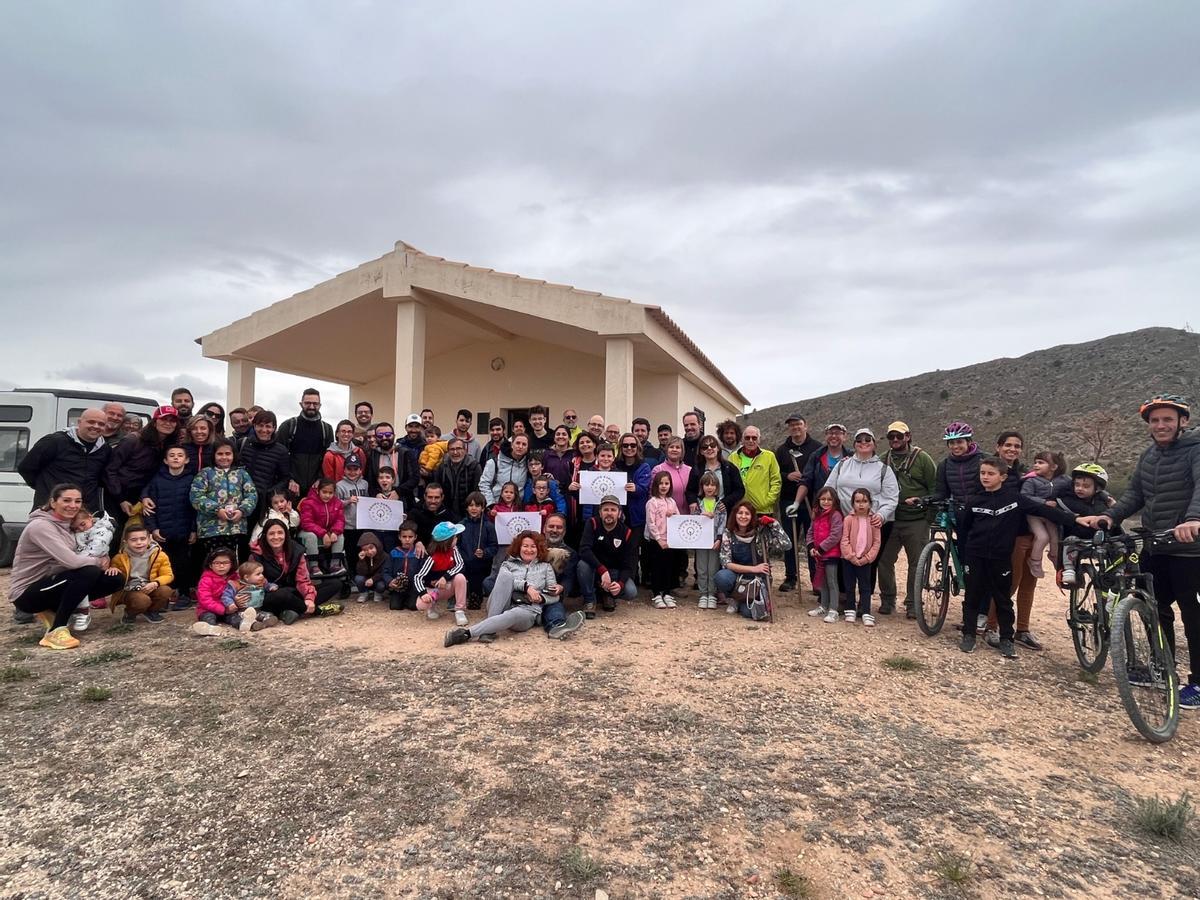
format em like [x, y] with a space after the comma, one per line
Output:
[1165, 487]
[174, 517]
[499, 469]
[826, 534]
[958, 476]
[853, 473]
[457, 480]
[160, 565]
[333, 466]
[214, 489]
[269, 465]
[46, 547]
[132, 465]
[318, 517]
[538, 575]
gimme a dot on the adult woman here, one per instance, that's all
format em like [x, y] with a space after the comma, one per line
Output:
[505, 467]
[215, 413]
[729, 434]
[864, 469]
[283, 564]
[198, 443]
[584, 461]
[132, 424]
[49, 579]
[525, 590]
[637, 474]
[559, 458]
[343, 447]
[742, 552]
[135, 461]
[709, 458]
[267, 460]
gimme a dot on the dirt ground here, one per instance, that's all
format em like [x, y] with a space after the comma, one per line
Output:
[679, 753]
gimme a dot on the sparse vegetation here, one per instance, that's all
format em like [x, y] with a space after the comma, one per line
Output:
[1088, 677]
[899, 663]
[953, 868]
[945, 394]
[18, 653]
[95, 694]
[10, 674]
[121, 628]
[580, 865]
[232, 644]
[794, 885]
[1165, 818]
[104, 656]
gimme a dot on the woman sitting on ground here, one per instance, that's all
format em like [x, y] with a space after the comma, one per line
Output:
[293, 594]
[525, 590]
[742, 558]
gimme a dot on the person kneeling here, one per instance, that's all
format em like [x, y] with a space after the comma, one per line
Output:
[607, 558]
[148, 576]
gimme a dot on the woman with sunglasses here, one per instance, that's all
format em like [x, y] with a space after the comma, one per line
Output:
[637, 478]
[730, 488]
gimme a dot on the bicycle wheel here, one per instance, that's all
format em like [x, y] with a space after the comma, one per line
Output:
[933, 588]
[1144, 669]
[1086, 619]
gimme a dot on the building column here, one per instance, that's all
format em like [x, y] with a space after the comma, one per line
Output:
[239, 384]
[618, 382]
[410, 359]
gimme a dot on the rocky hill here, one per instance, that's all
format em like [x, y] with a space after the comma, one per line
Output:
[1081, 399]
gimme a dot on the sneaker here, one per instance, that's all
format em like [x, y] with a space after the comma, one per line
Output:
[20, 617]
[330, 609]
[868, 620]
[362, 597]
[669, 600]
[886, 608]
[373, 597]
[267, 620]
[830, 616]
[1007, 649]
[460, 618]
[80, 621]
[249, 617]
[608, 604]
[981, 623]
[731, 608]
[816, 611]
[1027, 639]
[851, 615]
[203, 629]
[182, 601]
[154, 616]
[456, 636]
[967, 644]
[991, 638]
[569, 625]
[289, 617]
[788, 586]
[1189, 697]
[45, 618]
[1067, 577]
[336, 570]
[659, 602]
[432, 613]
[1139, 676]
[59, 639]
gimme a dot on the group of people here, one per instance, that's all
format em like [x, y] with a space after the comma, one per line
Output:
[252, 521]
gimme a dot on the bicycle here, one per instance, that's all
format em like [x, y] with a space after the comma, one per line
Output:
[1092, 598]
[939, 569]
[1141, 660]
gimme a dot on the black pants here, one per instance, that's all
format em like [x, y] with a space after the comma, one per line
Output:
[289, 598]
[1176, 581]
[989, 581]
[663, 565]
[63, 592]
[857, 579]
[238, 543]
[885, 531]
[183, 563]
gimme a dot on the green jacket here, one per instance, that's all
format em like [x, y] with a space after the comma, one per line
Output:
[761, 478]
[917, 473]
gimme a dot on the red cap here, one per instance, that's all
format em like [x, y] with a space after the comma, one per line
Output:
[166, 411]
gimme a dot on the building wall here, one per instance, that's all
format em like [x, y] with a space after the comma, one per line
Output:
[692, 396]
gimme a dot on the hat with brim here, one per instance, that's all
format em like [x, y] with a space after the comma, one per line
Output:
[898, 426]
[793, 417]
[867, 431]
[608, 499]
[413, 419]
[443, 531]
[166, 412]
[835, 425]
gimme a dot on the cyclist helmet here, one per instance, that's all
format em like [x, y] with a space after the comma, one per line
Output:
[1092, 471]
[956, 430]
[1174, 401]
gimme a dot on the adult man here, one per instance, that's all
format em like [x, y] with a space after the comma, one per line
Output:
[793, 455]
[389, 454]
[495, 442]
[364, 414]
[571, 420]
[607, 556]
[612, 433]
[664, 437]
[691, 437]
[305, 437]
[239, 421]
[182, 400]
[414, 436]
[458, 476]
[540, 437]
[641, 431]
[77, 455]
[759, 470]
[595, 427]
[427, 418]
[1165, 487]
[114, 416]
[462, 431]
[429, 512]
[916, 472]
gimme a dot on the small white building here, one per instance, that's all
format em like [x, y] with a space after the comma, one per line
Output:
[409, 330]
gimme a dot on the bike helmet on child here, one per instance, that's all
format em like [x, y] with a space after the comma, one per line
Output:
[1173, 401]
[1092, 471]
[956, 430]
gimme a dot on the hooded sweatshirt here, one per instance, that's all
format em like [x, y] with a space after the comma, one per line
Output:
[371, 566]
[333, 466]
[853, 473]
[47, 547]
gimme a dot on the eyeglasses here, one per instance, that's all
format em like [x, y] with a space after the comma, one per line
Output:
[708, 447]
[629, 446]
[385, 434]
[749, 437]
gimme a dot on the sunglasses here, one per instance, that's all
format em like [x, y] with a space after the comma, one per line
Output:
[894, 436]
[385, 434]
[864, 440]
[570, 418]
[629, 446]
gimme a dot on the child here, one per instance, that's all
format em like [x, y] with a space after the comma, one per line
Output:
[708, 562]
[386, 479]
[1038, 483]
[540, 501]
[536, 466]
[148, 577]
[368, 574]
[254, 582]
[442, 571]
[479, 546]
[172, 523]
[825, 546]
[219, 598]
[93, 537]
[349, 489]
[1087, 498]
[860, 546]
[401, 569]
[322, 523]
[507, 502]
[660, 507]
[224, 498]
[279, 511]
[433, 452]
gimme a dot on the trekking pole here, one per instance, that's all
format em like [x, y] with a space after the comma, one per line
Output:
[766, 555]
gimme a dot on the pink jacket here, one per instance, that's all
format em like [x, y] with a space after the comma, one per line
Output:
[657, 511]
[852, 528]
[826, 534]
[679, 480]
[208, 593]
[319, 517]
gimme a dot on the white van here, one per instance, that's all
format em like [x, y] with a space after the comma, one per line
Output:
[26, 415]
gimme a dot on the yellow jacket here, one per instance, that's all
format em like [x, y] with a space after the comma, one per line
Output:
[160, 565]
[431, 456]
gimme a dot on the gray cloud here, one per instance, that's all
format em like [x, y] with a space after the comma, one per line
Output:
[130, 380]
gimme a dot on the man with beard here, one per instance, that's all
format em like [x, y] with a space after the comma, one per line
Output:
[388, 453]
[182, 400]
[364, 414]
[414, 437]
[793, 455]
[692, 428]
[306, 437]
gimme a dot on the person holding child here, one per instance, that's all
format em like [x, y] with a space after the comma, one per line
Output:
[1041, 483]
[284, 566]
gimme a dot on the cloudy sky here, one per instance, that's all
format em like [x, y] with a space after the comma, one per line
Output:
[821, 194]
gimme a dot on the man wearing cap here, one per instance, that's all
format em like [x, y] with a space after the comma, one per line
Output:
[793, 455]
[916, 473]
[607, 558]
[414, 436]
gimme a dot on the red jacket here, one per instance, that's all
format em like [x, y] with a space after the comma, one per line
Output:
[319, 517]
[826, 533]
[544, 508]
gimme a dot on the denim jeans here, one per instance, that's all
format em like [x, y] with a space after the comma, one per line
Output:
[553, 614]
[588, 581]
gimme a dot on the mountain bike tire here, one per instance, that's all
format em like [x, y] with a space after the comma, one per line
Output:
[1085, 616]
[1138, 644]
[933, 588]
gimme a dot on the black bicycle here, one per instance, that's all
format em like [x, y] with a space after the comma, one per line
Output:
[940, 572]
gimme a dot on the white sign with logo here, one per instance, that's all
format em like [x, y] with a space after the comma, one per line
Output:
[510, 524]
[378, 515]
[595, 486]
[690, 533]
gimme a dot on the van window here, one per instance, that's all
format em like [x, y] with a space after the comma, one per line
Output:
[16, 413]
[14, 442]
[73, 415]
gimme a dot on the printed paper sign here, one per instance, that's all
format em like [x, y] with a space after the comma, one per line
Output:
[690, 533]
[378, 515]
[595, 486]
[510, 524]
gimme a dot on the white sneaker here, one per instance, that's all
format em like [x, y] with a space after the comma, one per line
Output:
[669, 600]
[659, 602]
[981, 623]
[460, 618]
[851, 615]
[249, 615]
[1068, 577]
[831, 616]
[868, 620]
[362, 597]
[80, 621]
[712, 602]
[816, 611]
[205, 630]
[702, 603]
[431, 613]
[731, 606]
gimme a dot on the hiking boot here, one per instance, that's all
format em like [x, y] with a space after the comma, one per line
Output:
[1007, 649]
[589, 609]
[204, 629]
[289, 617]
[1026, 639]
[456, 636]
[608, 604]
[59, 639]
[789, 585]
[967, 644]
[991, 638]
[20, 617]
[567, 626]
[460, 618]
[154, 616]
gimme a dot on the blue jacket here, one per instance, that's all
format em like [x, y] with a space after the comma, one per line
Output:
[560, 502]
[635, 508]
[173, 514]
[480, 534]
[402, 562]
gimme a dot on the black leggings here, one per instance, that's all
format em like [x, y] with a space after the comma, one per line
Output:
[62, 593]
[289, 598]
